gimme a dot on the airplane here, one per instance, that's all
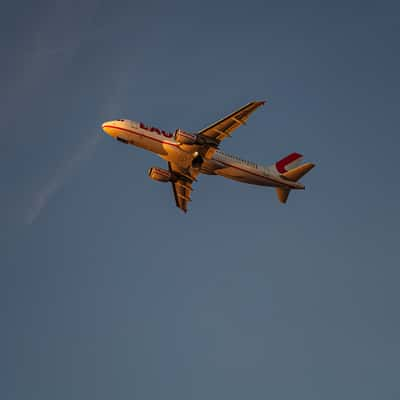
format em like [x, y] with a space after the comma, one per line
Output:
[191, 154]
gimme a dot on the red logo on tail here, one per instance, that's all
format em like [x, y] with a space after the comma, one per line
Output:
[281, 164]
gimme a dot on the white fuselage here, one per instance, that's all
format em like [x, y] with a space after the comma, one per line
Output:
[163, 144]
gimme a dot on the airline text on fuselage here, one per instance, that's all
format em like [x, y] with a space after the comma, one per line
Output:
[156, 130]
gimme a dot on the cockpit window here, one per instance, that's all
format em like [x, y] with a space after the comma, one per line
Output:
[122, 120]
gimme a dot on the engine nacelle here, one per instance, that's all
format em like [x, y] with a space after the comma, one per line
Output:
[160, 174]
[184, 137]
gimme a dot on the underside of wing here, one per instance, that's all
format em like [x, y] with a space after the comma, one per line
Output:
[182, 185]
[224, 127]
[206, 144]
[182, 191]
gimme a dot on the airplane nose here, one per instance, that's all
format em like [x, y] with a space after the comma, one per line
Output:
[106, 126]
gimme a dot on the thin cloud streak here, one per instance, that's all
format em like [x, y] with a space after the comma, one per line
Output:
[83, 153]
[44, 195]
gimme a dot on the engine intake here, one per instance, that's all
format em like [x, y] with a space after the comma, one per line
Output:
[160, 174]
[184, 137]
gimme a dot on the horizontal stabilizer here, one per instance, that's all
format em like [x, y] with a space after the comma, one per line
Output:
[292, 175]
[283, 194]
[296, 173]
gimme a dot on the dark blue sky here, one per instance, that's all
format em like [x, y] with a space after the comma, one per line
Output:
[109, 291]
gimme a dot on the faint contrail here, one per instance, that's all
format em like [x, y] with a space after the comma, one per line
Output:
[43, 196]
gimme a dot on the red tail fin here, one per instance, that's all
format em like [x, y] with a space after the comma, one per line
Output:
[289, 162]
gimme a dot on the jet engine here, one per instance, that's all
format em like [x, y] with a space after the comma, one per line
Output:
[184, 137]
[160, 174]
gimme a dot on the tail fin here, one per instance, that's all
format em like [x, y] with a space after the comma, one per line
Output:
[294, 175]
[288, 162]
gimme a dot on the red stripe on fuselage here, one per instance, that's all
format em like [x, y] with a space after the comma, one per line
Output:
[250, 172]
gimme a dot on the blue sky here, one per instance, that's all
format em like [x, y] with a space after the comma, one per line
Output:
[109, 291]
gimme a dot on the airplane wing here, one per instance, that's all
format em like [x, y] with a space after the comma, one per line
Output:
[224, 127]
[212, 137]
[182, 186]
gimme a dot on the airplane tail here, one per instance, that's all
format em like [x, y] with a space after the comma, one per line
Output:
[289, 162]
[290, 169]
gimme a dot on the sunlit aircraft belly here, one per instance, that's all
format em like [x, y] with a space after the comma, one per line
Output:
[166, 148]
[237, 171]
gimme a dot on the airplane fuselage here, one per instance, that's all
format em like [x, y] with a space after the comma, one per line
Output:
[164, 145]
